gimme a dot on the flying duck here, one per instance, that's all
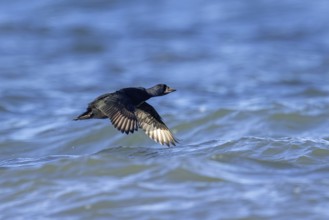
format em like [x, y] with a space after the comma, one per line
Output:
[128, 111]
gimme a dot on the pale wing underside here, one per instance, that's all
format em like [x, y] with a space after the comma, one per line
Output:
[150, 121]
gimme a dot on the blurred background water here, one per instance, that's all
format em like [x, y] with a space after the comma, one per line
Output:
[251, 109]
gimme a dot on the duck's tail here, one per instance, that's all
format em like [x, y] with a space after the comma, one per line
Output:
[86, 115]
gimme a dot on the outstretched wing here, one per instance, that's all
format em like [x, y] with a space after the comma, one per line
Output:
[151, 122]
[117, 107]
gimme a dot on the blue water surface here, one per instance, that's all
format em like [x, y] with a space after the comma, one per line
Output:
[250, 110]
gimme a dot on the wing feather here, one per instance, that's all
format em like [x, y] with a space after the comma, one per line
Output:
[151, 122]
[119, 109]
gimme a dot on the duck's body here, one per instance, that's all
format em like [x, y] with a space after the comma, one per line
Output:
[128, 111]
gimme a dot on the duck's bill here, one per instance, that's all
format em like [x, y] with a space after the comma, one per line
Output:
[169, 90]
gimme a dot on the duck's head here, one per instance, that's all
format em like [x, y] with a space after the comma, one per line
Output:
[160, 89]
